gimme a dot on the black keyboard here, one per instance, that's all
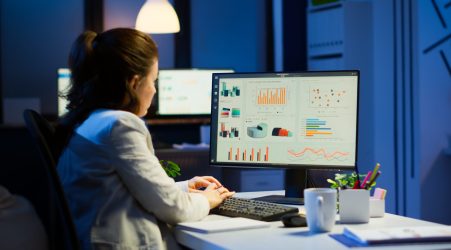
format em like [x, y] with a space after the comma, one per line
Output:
[253, 209]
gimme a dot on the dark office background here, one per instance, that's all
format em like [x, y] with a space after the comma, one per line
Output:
[403, 49]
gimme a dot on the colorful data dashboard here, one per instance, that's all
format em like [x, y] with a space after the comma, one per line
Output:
[305, 118]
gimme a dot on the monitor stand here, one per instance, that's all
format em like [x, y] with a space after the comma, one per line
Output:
[295, 183]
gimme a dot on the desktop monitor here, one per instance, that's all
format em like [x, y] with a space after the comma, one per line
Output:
[63, 85]
[296, 121]
[185, 92]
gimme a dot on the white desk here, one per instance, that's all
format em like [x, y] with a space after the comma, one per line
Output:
[279, 237]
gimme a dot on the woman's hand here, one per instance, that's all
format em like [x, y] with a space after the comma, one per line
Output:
[201, 182]
[216, 195]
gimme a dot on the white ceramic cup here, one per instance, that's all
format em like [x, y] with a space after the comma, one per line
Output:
[354, 205]
[320, 207]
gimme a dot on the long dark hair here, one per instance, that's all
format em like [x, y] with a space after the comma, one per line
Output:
[101, 64]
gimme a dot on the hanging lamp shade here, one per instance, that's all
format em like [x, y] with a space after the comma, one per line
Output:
[157, 17]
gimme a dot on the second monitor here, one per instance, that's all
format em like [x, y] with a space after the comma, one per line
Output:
[185, 92]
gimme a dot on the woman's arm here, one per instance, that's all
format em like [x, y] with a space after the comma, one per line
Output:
[142, 174]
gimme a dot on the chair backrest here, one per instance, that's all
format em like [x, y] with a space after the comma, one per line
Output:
[44, 135]
[60, 227]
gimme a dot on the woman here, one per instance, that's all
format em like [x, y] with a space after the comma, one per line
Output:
[119, 195]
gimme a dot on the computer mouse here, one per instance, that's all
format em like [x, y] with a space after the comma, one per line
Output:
[294, 220]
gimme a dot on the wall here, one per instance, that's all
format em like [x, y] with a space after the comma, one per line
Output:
[228, 34]
[434, 115]
[36, 39]
[383, 88]
[412, 121]
[396, 111]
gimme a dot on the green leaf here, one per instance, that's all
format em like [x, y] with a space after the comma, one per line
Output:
[171, 168]
[331, 181]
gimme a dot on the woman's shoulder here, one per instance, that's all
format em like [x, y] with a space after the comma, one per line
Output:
[113, 115]
[101, 121]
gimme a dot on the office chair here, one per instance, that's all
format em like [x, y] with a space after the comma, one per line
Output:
[59, 224]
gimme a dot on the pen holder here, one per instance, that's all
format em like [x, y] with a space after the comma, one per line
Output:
[354, 206]
[377, 207]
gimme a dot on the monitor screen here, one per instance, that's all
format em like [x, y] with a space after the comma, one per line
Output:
[185, 91]
[285, 120]
[63, 85]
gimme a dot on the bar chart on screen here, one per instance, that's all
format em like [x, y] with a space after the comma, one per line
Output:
[316, 127]
[272, 96]
[251, 154]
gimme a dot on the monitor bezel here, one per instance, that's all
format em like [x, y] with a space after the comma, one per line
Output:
[260, 165]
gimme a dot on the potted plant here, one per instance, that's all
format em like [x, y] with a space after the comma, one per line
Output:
[346, 181]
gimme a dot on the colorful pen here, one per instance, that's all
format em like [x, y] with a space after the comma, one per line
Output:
[376, 168]
[368, 185]
[365, 180]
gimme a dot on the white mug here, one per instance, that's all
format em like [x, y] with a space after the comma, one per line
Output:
[321, 208]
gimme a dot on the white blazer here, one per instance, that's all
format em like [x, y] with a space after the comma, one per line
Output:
[119, 195]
